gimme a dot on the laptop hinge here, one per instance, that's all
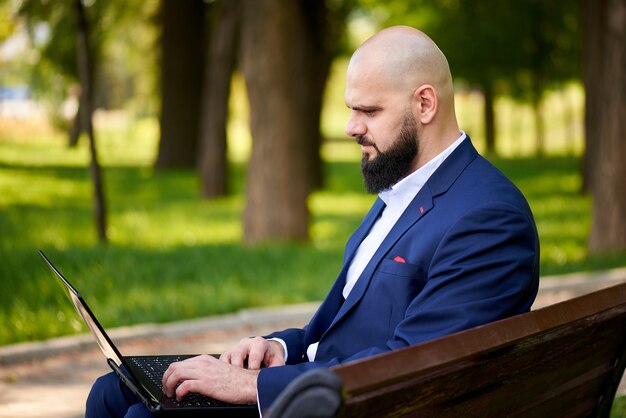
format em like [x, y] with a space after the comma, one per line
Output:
[151, 403]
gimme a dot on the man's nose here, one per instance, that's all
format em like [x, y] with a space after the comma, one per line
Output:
[354, 126]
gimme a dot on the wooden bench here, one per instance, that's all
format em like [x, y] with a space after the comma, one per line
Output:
[566, 359]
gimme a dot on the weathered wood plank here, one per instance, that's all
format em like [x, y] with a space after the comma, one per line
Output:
[564, 359]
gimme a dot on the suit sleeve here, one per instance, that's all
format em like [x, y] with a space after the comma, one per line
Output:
[485, 268]
[294, 340]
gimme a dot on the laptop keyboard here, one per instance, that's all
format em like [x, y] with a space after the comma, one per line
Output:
[154, 368]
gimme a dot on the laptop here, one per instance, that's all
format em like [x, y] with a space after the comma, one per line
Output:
[143, 374]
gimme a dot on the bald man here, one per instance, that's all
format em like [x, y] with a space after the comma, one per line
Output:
[450, 243]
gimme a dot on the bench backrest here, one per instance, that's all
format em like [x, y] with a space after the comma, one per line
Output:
[562, 360]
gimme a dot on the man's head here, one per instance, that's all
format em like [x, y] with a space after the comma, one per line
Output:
[399, 90]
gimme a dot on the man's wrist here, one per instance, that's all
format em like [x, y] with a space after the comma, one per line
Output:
[282, 345]
[253, 387]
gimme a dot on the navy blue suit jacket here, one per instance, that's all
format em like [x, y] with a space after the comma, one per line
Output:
[472, 257]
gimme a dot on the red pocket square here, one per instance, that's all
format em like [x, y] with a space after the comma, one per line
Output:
[399, 259]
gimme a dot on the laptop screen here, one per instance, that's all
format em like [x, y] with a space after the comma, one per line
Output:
[102, 338]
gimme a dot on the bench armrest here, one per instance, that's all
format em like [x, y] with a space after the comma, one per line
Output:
[315, 394]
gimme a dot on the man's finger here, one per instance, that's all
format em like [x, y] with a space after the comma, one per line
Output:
[170, 380]
[225, 357]
[166, 377]
[255, 358]
[237, 357]
[274, 361]
[186, 387]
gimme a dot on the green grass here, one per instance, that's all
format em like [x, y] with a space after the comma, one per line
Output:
[618, 410]
[173, 256]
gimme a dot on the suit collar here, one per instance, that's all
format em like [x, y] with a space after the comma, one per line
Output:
[401, 193]
[452, 167]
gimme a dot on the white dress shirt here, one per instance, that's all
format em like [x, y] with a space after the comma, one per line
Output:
[397, 198]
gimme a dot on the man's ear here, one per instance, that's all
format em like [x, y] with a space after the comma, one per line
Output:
[425, 103]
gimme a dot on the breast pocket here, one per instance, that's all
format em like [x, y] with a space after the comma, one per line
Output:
[398, 283]
[400, 269]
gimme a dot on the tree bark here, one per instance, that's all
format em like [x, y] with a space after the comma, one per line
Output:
[75, 129]
[593, 20]
[182, 46]
[86, 71]
[274, 68]
[318, 29]
[608, 223]
[222, 54]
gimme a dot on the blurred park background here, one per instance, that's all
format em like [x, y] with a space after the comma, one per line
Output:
[179, 159]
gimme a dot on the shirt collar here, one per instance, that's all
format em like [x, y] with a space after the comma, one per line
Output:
[401, 193]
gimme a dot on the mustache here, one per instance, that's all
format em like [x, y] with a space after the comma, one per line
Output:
[362, 140]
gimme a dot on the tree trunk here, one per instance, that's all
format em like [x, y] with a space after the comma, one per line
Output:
[593, 65]
[273, 65]
[86, 71]
[608, 223]
[75, 130]
[182, 43]
[222, 54]
[490, 120]
[318, 29]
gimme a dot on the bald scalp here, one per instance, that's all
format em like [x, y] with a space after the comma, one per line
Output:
[406, 58]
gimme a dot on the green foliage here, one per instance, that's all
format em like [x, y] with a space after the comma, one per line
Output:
[53, 31]
[619, 407]
[7, 25]
[122, 39]
[173, 256]
[508, 46]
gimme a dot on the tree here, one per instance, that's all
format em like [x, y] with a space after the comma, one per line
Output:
[86, 71]
[482, 41]
[219, 66]
[273, 62]
[323, 30]
[286, 53]
[72, 52]
[607, 27]
[593, 64]
[552, 54]
[517, 48]
[182, 43]
[120, 74]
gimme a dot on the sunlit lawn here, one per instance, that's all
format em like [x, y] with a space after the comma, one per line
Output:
[619, 407]
[173, 256]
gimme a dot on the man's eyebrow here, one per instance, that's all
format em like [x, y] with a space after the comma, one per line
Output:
[364, 108]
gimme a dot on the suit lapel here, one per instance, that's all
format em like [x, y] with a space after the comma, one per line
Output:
[439, 183]
[333, 302]
[362, 231]
[416, 209]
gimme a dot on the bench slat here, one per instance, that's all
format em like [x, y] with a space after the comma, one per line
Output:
[566, 358]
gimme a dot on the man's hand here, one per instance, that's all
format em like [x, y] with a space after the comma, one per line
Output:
[258, 351]
[211, 377]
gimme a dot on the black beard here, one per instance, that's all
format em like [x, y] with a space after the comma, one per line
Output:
[391, 166]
